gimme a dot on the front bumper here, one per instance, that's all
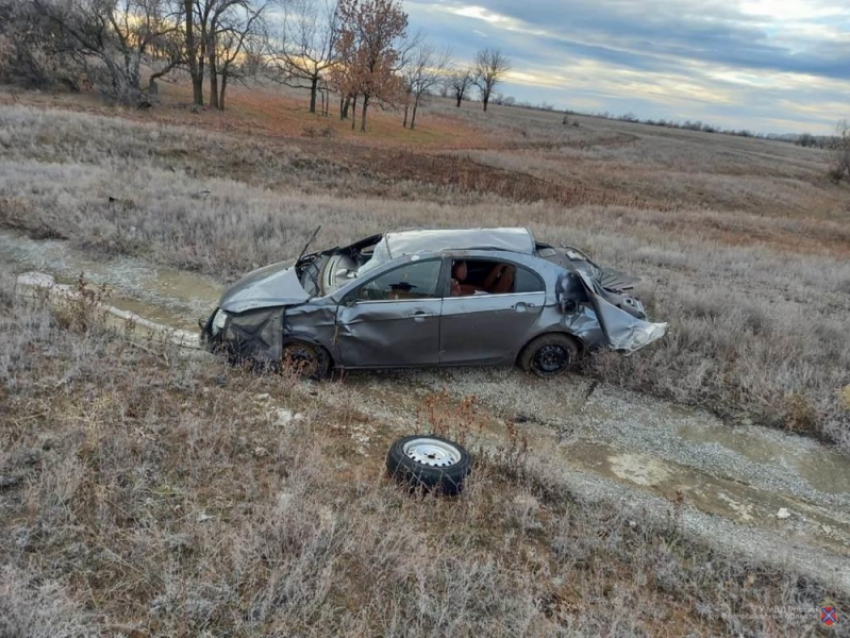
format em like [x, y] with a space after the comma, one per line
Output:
[250, 336]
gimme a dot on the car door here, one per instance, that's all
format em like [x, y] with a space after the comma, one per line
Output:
[392, 319]
[490, 328]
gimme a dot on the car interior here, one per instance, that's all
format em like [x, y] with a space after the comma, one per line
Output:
[469, 277]
[416, 280]
[472, 277]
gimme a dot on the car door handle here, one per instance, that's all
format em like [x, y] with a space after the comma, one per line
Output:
[419, 315]
[522, 306]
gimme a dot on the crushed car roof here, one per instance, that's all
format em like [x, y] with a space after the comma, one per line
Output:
[410, 242]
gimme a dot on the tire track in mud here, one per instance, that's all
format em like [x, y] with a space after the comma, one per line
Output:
[772, 496]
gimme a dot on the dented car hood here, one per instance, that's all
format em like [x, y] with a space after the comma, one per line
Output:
[275, 285]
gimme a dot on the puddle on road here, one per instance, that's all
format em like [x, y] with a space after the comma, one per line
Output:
[748, 444]
[722, 497]
[638, 468]
[826, 471]
[179, 298]
[152, 313]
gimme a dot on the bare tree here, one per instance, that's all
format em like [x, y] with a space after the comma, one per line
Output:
[34, 51]
[424, 70]
[491, 65]
[240, 24]
[308, 38]
[192, 52]
[111, 38]
[840, 166]
[459, 82]
[370, 52]
[220, 29]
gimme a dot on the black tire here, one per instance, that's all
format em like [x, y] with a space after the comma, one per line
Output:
[429, 462]
[308, 360]
[549, 355]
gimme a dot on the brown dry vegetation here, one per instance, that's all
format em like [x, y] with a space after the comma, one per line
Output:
[192, 501]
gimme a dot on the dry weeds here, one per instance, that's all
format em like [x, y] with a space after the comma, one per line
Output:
[180, 503]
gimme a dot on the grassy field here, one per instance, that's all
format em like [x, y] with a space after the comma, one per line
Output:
[743, 244]
[186, 501]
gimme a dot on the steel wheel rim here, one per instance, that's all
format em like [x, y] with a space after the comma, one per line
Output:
[302, 358]
[432, 453]
[551, 358]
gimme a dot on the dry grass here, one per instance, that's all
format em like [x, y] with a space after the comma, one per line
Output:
[265, 110]
[756, 300]
[191, 502]
[670, 169]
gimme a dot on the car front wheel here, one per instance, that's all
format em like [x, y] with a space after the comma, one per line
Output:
[305, 359]
[549, 355]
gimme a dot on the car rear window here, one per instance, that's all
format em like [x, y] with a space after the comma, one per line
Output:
[527, 281]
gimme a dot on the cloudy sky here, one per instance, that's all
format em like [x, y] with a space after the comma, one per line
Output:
[765, 65]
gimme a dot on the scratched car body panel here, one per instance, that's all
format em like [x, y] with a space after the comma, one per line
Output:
[430, 298]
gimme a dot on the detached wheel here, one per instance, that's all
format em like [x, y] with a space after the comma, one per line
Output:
[430, 462]
[549, 355]
[306, 359]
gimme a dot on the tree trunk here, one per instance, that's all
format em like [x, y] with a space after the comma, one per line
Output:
[344, 105]
[486, 100]
[406, 109]
[413, 119]
[197, 78]
[363, 113]
[214, 79]
[224, 75]
[314, 83]
[459, 97]
[353, 111]
[201, 65]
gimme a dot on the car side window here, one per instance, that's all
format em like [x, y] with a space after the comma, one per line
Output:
[527, 281]
[415, 280]
[476, 277]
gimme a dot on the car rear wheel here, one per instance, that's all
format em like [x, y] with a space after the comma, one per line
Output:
[549, 355]
[305, 359]
[429, 462]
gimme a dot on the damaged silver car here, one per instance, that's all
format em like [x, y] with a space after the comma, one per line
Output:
[431, 298]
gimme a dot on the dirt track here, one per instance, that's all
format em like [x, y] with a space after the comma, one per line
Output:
[775, 497]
